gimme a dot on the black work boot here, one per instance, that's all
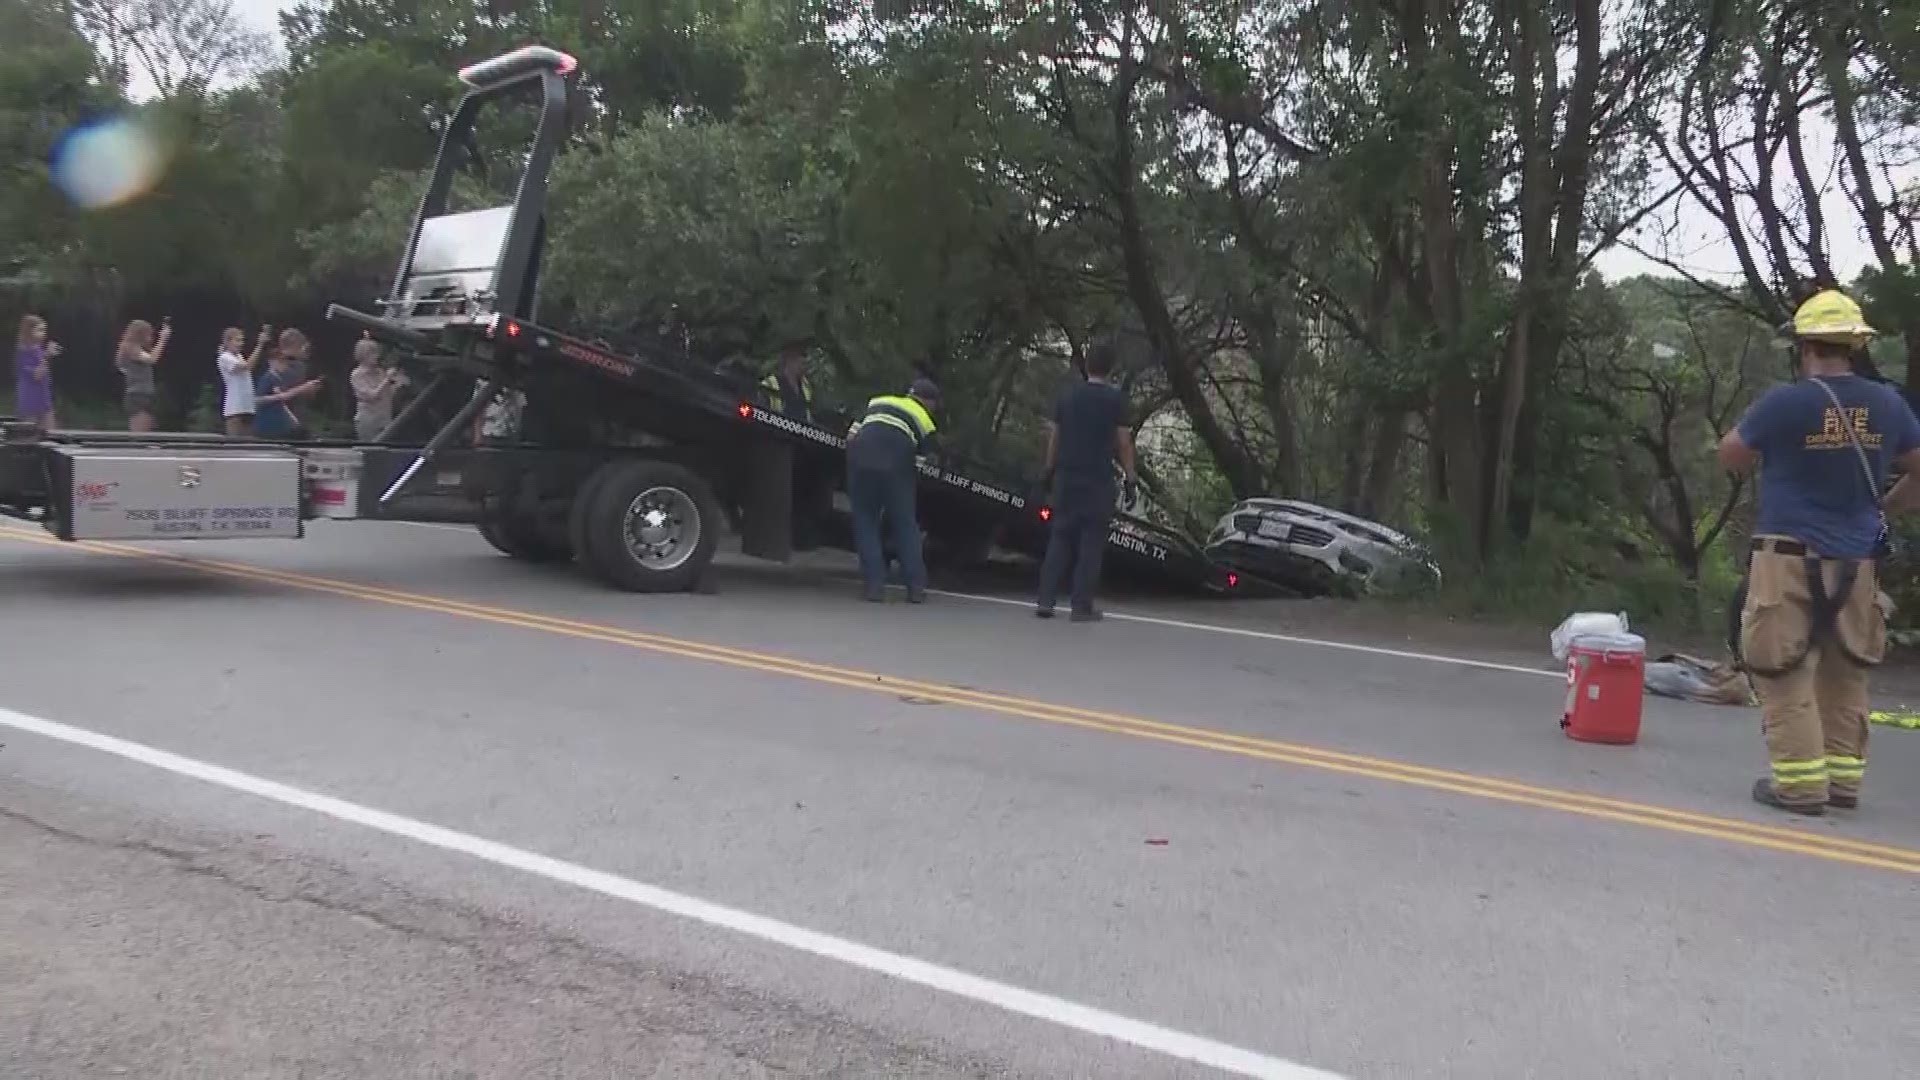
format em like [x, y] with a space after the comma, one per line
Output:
[1843, 800]
[1764, 794]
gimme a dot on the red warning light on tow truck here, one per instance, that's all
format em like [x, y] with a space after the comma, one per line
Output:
[1046, 513]
[746, 411]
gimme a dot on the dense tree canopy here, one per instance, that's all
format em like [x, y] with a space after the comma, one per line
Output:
[1348, 246]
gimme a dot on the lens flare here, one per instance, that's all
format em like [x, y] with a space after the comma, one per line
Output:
[107, 162]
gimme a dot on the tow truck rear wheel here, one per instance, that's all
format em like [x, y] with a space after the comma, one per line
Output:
[650, 526]
[580, 519]
[518, 538]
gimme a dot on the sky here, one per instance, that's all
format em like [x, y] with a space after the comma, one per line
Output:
[261, 12]
[1692, 239]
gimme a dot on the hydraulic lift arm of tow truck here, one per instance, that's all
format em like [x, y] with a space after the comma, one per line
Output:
[441, 284]
[458, 426]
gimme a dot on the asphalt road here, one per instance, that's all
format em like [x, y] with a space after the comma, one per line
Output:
[382, 803]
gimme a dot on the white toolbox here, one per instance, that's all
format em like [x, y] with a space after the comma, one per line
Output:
[158, 493]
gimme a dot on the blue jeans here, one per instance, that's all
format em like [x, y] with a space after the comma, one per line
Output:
[1079, 537]
[885, 493]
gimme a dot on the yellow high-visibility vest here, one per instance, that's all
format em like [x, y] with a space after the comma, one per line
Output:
[901, 413]
[774, 399]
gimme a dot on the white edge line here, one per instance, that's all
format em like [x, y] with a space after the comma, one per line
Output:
[1039, 1006]
[448, 526]
[1290, 639]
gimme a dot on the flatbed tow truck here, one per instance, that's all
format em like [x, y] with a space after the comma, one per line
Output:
[626, 463]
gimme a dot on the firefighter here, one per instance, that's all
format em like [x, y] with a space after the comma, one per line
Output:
[1810, 626]
[789, 391]
[881, 478]
[1088, 434]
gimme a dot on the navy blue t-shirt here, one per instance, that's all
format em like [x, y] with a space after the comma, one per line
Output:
[1085, 418]
[273, 421]
[1811, 485]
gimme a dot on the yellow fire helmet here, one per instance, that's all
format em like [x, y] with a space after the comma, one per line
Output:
[1832, 316]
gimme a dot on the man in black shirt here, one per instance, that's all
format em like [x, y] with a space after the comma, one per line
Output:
[1089, 431]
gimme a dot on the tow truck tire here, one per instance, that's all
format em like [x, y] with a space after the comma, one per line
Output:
[518, 539]
[580, 519]
[489, 530]
[651, 526]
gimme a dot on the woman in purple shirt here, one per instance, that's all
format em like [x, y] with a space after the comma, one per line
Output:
[32, 374]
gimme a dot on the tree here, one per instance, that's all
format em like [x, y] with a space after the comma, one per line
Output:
[721, 224]
[49, 82]
[170, 48]
[1743, 144]
[1672, 369]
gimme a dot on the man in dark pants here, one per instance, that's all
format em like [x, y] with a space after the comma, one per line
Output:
[881, 480]
[1089, 431]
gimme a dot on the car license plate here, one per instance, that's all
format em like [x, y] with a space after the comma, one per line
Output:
[1276, 530]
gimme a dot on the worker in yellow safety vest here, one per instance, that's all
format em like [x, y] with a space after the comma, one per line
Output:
[789, 391]
[881, 477]
[1810, 627]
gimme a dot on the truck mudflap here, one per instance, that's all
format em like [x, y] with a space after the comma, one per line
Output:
[167, 493]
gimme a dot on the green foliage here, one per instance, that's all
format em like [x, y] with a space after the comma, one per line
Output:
[1900, 578]
[355, 256]
[207, 221]
[1891, 297]
[49, 80]
[723, 223]
[1568, 568]
[206, 414]
[352, 115]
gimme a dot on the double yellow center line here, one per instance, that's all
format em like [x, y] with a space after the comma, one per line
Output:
[1750, 834]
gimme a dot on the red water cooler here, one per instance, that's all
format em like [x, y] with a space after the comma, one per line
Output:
[1606, 680]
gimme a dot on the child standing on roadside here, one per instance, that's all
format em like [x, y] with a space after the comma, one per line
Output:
[236, 377]
[374, 387]
[32, 374]
[138, 355]
[273, 417]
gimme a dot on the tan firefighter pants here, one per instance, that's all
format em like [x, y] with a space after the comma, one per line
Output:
[1814, 713]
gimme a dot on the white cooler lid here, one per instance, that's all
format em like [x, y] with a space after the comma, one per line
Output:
[1611, 643]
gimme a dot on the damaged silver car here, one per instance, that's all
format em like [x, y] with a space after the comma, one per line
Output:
[1318, 551]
